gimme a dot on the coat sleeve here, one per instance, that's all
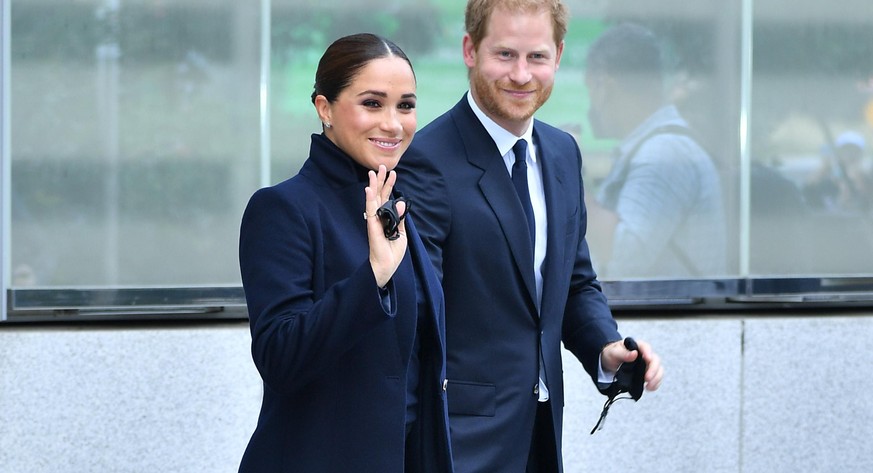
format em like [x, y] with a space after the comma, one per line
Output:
[588, 323]
[420, 181]
[298, 334]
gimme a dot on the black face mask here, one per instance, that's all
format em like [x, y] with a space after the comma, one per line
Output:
[390, 219]
[629, 379]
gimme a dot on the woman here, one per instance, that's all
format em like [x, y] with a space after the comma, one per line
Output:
[346, 317]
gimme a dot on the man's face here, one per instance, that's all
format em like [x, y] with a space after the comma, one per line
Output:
[512, 71]
[598, 111]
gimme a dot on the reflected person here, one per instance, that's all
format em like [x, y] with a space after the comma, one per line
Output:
[843, 183]
[659, 212]
[500, 209]
[346, 318]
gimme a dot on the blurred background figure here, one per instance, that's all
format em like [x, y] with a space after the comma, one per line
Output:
[659, 212]
[843, 182]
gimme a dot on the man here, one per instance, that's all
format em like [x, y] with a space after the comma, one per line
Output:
[842, 183]
[659, 213]
[515, 287]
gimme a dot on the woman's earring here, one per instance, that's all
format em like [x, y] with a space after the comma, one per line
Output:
[327, 125]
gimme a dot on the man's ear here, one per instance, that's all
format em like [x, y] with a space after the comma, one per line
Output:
[558, 53]
[469, 50]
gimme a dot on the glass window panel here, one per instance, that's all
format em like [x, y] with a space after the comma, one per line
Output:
[134, 145]
[653, 91]
[701, 54]
[135, 131]
[429, 32]
[812, 176]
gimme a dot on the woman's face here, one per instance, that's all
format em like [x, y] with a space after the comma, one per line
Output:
[373, 119]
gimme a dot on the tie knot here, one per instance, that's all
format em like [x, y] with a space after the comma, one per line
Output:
[520, 151]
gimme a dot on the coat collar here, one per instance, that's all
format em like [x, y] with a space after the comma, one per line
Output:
[334, 164]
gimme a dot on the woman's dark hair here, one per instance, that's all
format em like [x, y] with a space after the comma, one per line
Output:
[345, 57]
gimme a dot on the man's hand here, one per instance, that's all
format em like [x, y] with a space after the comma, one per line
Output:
[614, 354]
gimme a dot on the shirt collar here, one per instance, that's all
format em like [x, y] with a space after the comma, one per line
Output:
[502, 138]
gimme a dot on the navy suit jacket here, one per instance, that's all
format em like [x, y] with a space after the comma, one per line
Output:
[474, 228]
[333, 360]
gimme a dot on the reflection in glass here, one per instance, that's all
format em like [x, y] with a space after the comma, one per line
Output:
[810, 129]
[660, 142]
[659, 212]
[134, 140]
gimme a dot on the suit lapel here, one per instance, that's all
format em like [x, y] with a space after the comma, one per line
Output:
[557, 199]
[498, 191]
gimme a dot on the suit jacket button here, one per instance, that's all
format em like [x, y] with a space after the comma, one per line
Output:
[445, 384]
[536, 390]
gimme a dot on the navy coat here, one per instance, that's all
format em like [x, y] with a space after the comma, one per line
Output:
[333, 359]
[473, 225]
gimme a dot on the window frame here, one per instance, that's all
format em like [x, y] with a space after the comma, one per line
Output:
[625, 298]
[5, 160]
[131, 303]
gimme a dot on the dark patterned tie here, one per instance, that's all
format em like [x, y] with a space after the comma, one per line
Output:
[519, 179]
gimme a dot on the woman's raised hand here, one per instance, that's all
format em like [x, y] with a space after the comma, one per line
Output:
[385, 254]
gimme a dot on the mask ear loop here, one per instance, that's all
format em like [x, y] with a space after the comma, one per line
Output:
[606, 405]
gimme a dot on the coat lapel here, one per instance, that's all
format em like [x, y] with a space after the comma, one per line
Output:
[498, 191]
